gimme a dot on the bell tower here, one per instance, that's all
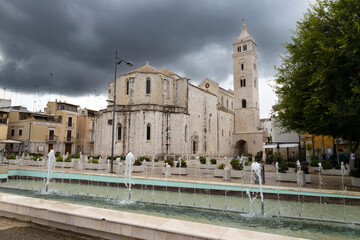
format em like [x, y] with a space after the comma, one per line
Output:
[246, 94]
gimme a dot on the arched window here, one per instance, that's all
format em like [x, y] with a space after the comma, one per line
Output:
[241, 82]
[148, 83]
[148, 131]
[222, 101]
[127, 87]
[243, 103]
[245, 47]
[232, 105]
[244, 82]
[227, 103]
[255, 82]
[119, 131]
[186, 134]
[242, 66]
[209, 125]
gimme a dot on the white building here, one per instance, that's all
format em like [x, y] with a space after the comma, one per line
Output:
[159, 113]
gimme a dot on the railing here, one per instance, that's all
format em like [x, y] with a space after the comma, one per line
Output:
[51, 138]
[68, 139]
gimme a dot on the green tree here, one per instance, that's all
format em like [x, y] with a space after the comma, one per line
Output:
[318, 82]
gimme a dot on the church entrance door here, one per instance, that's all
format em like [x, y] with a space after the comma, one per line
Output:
[241, 148]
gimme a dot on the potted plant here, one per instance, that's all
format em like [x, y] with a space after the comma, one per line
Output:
[292, 167]
[212, 164]
[138, 166]
[219, 171]
[315, 163]
[203, 163]
[329, 169]
[236, 168]
[180, 169]
[287, 172]
[355, 177]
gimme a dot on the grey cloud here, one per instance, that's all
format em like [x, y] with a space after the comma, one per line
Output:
[76, 39]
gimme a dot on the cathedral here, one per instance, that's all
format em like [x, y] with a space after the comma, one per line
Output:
[159, 113]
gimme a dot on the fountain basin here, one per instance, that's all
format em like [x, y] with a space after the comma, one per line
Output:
[111, 224]
[291, 177]
[4, 168]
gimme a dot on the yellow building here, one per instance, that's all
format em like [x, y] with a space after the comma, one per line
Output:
[3, 127]
[325, 145]
[36, 131]
[86, 130]
[67, 115]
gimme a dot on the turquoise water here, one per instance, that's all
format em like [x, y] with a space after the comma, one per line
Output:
[111, 198]
[150, 182]
[148, 201]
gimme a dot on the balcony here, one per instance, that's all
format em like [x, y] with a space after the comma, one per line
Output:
[68, 139]
[51, 138]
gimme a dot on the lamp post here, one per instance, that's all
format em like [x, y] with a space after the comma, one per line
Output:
[118, 61]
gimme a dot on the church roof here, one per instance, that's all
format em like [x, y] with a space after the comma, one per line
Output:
[244, 35]
[144, 69]
[168, 72]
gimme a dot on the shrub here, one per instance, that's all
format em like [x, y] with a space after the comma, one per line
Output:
[183, 164]
[213, 161]
[269, 158]
[221, 166]
[142, 158]
[235, 164]
[115, 157]
[95, 157]
[283, 167]
[247, 163]
[95, 161]
[314, 163]
[327, 165]
[249, 156]
[355, 173]
[338, 166]
[202, 160]
[35, 158]
[10, 156]
[304, 168]
[60, 159]
[314, 157]
[137, 162]
[156, 160]
[170, 162]
[57, 154]
[76, 155]
[291, 165]
[68, 159]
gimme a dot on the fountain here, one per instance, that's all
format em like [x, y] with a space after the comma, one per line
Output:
[256, 167]
[185, 197]
[129, 161]
[51, 166]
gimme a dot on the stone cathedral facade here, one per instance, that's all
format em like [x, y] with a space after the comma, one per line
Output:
[159, 113]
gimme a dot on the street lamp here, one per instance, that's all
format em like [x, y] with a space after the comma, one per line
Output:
[118, 61]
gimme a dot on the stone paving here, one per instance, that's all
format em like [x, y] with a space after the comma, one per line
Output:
[12, 229]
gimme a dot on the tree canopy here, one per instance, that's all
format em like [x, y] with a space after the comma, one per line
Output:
[318, 82]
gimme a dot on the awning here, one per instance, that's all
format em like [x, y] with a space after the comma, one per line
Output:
[282, 145]
[10, 141]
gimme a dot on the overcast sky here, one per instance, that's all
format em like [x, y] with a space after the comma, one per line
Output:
[76, 39]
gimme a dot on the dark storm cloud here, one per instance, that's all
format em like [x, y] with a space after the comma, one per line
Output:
[76, 39]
